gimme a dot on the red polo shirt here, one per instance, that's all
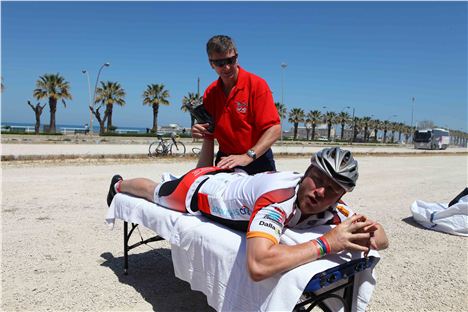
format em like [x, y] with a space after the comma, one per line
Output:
[243, 116]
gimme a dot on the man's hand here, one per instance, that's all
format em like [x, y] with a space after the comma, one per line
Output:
[352, 234]
[232, 161]
[199, 131]
[369, 242]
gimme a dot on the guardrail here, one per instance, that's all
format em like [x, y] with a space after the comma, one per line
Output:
[24, 129]
[74, 130]
[121, 131]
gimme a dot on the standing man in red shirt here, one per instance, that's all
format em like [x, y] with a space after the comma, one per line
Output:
[245, 117]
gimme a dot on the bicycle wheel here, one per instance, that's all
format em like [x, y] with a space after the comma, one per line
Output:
[177, 148]
[155, 149]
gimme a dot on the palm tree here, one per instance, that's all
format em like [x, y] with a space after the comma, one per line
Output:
[375, 124]
[315, 117]
[192, 99]
[329, 118]
[366, 121]
[54, 88]
[342, 118]
[110, 93]
[358, 125]
[282, 112]
[355, 130]
[400, 128]
[155, 95]
[407, 132]
[296, 115]
[394, 127]
[385, 127]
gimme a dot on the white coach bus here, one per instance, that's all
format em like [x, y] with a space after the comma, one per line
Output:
[436, 138]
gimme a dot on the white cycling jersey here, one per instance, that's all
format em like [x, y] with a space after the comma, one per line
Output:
[267, 201]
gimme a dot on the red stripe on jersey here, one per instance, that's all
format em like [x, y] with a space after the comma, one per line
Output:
[203, 203]
[275, 196]
[176, 200]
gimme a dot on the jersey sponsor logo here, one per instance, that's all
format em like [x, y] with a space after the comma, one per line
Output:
[217, 211]
[241, 107]
[277, 216]
[270, 226]
[244, 211]
[267, 224]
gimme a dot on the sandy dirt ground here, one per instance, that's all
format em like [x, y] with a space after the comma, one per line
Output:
[57, 253]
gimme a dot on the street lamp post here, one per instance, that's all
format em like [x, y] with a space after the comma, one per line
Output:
[84, 71]
[283, 67]
[107, 64]
[412, 115]
[308, 125]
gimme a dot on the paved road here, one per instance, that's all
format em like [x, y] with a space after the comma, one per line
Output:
[70, 150]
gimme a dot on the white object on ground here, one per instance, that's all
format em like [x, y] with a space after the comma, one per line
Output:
[440, 217]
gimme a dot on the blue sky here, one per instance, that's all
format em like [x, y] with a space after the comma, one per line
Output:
[372, 56]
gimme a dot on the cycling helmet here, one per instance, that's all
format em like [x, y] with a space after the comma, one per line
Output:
[339, 165]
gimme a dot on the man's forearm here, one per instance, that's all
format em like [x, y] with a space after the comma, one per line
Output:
[206, 153]
[276, 258]
[268, 138]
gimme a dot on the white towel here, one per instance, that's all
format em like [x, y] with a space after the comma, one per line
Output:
[141, 211]
[212, 259]
[440, 217]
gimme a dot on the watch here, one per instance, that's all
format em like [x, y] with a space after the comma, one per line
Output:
[251, 154]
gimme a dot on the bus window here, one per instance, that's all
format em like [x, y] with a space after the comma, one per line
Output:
[422, 136]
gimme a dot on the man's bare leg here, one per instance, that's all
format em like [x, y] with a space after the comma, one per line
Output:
[140, 187]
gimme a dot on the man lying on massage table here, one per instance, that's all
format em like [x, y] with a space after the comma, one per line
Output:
[263, 204]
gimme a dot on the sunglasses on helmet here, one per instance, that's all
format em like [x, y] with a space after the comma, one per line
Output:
[223, 62]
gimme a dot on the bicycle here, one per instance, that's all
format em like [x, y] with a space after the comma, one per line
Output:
[196, 151]
[163, 148]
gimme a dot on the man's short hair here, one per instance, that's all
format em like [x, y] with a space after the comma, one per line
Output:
[220, 44]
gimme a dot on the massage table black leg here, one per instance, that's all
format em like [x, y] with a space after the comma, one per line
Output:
[127, 235]
[126, 248]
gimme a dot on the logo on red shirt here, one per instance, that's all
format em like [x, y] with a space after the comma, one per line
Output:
[241, 107]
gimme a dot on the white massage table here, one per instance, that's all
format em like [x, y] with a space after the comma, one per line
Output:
[212, 259]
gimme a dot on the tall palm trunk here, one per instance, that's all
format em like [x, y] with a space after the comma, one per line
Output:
[355, 133]
[109, 116]
[102, 127]
[295, 130]
[342, 131]
[155, 118]
[329, 130]
[38, 123]
[313, 132]
[53, 109]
